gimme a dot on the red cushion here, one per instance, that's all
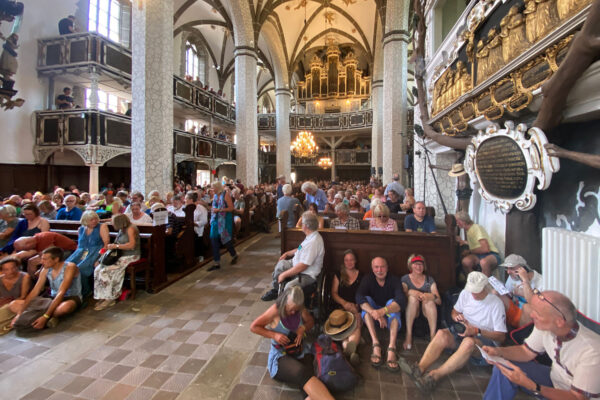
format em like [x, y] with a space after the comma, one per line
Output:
[138, 262]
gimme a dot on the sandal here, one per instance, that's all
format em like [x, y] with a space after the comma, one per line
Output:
[376, 357]
[389, 363]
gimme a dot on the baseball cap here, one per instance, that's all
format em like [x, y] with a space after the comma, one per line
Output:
[476, 282]
[514, 260]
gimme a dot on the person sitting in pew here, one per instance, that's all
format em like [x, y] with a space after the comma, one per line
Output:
[344, 220]
[47, 210]
[381, 299]
[200, 220]
[307, 262]
[30, 248]
[381, 220]
[409, 200]
[65, 291]
[337, 199]
[422, 294]
[92, 237]
[354, 205]
[287, 203]
[393, 202]
[479, 320]
[71, 212]
[482, 251]
[312, 208]
[238, 209]
[419, 221]
[137, 216]
[369, 214]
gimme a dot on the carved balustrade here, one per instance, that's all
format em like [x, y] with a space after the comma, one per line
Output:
[321, 122]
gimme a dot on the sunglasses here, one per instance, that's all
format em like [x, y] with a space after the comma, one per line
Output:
[543, 298]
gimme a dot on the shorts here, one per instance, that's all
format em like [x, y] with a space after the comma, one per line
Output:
[76, 299]
[474, 360]
[498, 259]
[513, 315]
[389, 317]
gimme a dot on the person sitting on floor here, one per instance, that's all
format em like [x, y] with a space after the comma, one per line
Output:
[71, 212]
[108, 279]
[30, 248]
[92, 237]
[344, 286]
[573, 349]
[381, 220]
[422, 293]
[521, 283]
[382, 299]
[480, 315]
[482, 251]
[14, 283]
[307, 262]
[344, 220]
[419, 221]
[289, 358]
[65, 291]
[8, 223]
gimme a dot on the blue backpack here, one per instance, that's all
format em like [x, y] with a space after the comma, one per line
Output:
[331, 367]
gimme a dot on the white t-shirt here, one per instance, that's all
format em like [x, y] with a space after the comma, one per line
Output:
[179, 212]
[487, 314]
[579, 359]
[145, 219]
[311, 252]
[200, 219]
[512, 284]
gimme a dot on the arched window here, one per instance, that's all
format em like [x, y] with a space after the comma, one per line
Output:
[191, 61]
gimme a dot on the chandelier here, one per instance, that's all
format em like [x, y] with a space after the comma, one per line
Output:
[325, 162]
[304, 146]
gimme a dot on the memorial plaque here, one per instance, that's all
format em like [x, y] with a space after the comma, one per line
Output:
[501, 167]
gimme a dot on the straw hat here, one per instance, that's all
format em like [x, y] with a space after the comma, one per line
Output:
[457, 170]
[340, 324]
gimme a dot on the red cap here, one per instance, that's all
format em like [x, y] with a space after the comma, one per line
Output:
[416, 259]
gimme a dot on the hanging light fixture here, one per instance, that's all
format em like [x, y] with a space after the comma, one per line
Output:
[304, 146]
[325, 162]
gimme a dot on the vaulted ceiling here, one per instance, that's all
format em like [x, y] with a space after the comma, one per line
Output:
[290, 31]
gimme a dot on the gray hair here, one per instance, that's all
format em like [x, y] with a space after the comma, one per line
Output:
[293, 295]
[309, 186]
[87, 216]
[9, 210]
[464, 217]
[310, 220]
[342, 208]
[375, 202]
[287, 189]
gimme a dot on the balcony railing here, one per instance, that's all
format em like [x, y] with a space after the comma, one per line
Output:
[342, 157]
[85, 131]
[82, 52]
[321, 122]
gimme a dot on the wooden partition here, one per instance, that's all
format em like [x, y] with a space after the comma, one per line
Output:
[438, 249]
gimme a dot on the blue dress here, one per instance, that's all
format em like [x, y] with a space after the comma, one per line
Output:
[293, 322]
[86, 255]
[221, 224]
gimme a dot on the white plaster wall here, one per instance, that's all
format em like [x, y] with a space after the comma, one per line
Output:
[484, 214]
[18, 124]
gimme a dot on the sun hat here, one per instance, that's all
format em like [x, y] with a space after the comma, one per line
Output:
[476, 282]
[338, 324]
[457, 170]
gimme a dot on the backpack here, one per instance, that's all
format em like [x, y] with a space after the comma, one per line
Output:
[331, 367]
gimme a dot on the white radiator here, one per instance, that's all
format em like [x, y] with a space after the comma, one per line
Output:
[571, 265]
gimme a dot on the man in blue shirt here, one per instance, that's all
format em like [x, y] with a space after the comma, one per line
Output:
[289, 204]
[419, 221]
[280, 183]
[396, 186]
[71, 212]
[314, 195]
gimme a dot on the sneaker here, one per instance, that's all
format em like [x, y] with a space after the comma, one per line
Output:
[410, 369]
[426, 384]
[234, 259]
[52, 322]
[270, 295]
[214, 267]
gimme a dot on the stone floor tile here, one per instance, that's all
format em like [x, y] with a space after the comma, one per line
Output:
[185, 349]
[38, 394]
[59, 381]
[78, 384]
[215, 339]
[266, 393]
[141, 393]
[178, 382]
[157, 379]
[469, 395]
[205, 351]
[154, 361]
[34, 351]
[81, 366]
[117, 355]
[99, 369]
[441, 394]
[259, 359]
[164, 333]
[463, 382]
[117, 372]
[164, 395]
[172, 363]
[218, 317]
[198, 337]
[290, 395]
[208, 326]
[181, 336]
[97, 389]
[193, 325]
[135, 358]
[268, 381]
[390, 391]
[233, 319]
[118, 392]
[62, 396]
[253, 374]
[11, 363]
[137, 376]
[242, 391]
[117, 341]
[192, 366]
[225, 328]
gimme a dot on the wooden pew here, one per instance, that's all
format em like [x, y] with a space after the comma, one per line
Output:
[152, 240]
[438, 249]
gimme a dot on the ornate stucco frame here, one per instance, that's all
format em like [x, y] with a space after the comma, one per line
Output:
[540, 165]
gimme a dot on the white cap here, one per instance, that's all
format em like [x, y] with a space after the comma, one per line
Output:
[476, 282]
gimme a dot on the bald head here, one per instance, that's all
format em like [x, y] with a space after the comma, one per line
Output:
[563, 303]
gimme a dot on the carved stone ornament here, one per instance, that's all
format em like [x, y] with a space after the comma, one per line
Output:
[507, 162]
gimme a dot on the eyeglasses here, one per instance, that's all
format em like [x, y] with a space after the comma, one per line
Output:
[543, 298]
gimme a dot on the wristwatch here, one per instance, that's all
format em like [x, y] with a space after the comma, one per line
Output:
[538, 390]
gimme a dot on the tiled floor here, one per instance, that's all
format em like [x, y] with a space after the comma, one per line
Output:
[190, 341]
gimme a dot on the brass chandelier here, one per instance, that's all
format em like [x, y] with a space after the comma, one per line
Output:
[304, 146]
[325, 162]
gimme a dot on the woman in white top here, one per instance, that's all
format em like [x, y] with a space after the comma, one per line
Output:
[138, 217]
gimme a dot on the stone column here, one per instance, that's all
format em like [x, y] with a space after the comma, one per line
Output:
[94, 77]
[377, 129]
[282, 121]
[245, 119]
[333, 170]
[152, 109]
[94, 178]
[395, 42]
